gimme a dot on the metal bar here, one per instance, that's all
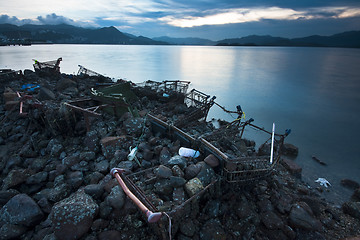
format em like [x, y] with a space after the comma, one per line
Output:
[151, 217]
[83, 110]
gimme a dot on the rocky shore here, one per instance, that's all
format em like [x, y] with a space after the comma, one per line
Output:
[56, 181]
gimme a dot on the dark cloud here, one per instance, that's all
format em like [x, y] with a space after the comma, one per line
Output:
[50, 19]
[14, 20]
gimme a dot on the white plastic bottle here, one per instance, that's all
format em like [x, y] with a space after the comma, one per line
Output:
[188, 152]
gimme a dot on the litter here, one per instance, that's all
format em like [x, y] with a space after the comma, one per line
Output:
[323, 182]
[188, 152]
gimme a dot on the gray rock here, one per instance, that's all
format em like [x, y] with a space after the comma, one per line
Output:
[102, 167]
[206, 173]
[46, 94]
[193, 186]
[178, 195]
[75, 179]
[92, 141]
[37, 178]
[116, 198]
[302, 217]
[65, 83]
[163, 187]
[176, 170]
[110, 235]
[212, 208]
[188, 227]
[271, 220]
[212, 161]
[165, 156]
[192, 171]
[13, 211]
[134, 126]
[289, 149]
[178, 160]
[72, 217]
[212, 229]
[14, 178]
[88, 156]
[163, 172]
[352, 208]
[176, 181]
[94, 190]
[127, 165]
[356, 195]
[11, 231]
[5, 196]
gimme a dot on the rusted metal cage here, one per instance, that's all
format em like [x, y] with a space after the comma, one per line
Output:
[85, 71]
[50, 67]
[201, 104]
[168, 86]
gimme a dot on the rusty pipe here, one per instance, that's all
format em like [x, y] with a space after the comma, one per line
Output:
[151, 216]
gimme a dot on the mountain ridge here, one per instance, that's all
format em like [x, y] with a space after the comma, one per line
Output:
[64, 33]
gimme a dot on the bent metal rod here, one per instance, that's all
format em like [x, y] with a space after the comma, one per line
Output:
[152, 217]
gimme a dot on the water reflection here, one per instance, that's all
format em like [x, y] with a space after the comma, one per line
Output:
[314, 91]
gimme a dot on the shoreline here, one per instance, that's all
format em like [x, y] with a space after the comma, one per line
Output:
[53, 164]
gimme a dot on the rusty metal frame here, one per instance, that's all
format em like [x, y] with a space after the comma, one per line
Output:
[87, 112]
[85, 71]
[53, 66]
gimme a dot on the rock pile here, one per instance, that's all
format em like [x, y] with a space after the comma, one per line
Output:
[56, 182]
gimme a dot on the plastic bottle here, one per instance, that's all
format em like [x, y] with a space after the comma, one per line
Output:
[188, 152]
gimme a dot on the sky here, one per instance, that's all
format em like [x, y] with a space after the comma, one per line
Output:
[211, 19]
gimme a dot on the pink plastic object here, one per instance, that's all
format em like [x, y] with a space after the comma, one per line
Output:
[151, 216]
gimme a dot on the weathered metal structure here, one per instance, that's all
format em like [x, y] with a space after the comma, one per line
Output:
[49, 67]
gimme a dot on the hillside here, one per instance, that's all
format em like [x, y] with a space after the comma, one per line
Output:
[64, 33]
[346, 39]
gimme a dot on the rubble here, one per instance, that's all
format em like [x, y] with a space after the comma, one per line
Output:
[56, 161]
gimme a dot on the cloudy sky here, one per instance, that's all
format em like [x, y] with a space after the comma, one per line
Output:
[212, 19]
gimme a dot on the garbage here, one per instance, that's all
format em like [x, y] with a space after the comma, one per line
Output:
[188, 152]
[47, 68]
[323, 182]
[132, 155]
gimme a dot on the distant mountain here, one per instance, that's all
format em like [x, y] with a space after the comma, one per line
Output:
[346, 39]
[185, 41]
[64, 33]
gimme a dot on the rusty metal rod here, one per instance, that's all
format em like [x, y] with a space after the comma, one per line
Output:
[151, 217]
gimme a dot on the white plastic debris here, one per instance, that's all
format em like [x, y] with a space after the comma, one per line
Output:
[188, 152]
[132, 155]
[323, 182]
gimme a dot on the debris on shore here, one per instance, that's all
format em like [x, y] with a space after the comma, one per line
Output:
[61, 135]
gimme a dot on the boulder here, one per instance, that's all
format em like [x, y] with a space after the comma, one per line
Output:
[165, 155]
[178, 160]
[271, 220]
[72, 217]
[352, 208]
[302, 217]
[163, 172]
[193, 186]
[289, 149]
[46, 94]
[21, 210]
[11, 231]
[212, 161]
[116, 198]
[292, 167]
[206, 173]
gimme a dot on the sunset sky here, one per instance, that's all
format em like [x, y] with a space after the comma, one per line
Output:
[212, 19]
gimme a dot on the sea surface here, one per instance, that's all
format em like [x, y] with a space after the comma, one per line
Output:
[313, 91]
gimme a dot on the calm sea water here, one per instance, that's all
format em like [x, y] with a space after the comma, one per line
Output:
[313, 91]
